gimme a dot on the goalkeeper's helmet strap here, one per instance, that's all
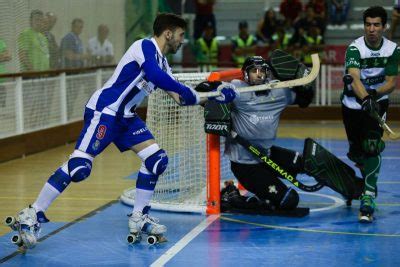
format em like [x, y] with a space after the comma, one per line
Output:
[217, 118]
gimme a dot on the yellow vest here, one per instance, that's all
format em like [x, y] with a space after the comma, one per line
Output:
[240, 43]
[208, 54]
[311, 41]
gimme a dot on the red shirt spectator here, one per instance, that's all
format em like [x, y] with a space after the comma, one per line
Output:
[290, 9]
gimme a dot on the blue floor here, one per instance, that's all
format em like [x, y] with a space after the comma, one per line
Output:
[329, 236]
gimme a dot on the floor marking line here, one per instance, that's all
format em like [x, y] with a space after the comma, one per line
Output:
[87, 215]
[338, 202]
[169, 254]
[269, 226]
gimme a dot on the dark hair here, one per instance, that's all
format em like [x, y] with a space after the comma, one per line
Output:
[35, 13]
[76, 20]
[167, 21]
[376, 12]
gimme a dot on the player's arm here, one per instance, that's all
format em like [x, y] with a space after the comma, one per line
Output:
[353, 65]
[391, 71]
[183, 95]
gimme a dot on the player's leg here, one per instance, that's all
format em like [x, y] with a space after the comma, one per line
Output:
[139, 139]
[372, 147]
[94, 137]
[265, 185]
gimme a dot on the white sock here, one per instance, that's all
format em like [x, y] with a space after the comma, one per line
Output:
[142, 199]
[47, 195]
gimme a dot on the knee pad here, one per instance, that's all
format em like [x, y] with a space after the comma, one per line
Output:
[157, 162]
[373, 145]
[290, 200]
[79, 166]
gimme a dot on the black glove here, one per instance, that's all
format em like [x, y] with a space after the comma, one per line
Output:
[370, 106]
[207, 86]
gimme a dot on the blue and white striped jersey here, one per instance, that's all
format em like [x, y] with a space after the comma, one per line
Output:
[142, 69]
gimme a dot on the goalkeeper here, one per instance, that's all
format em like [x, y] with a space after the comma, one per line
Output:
[254, 116]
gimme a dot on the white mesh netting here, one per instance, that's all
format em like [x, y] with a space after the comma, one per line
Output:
[179, 131]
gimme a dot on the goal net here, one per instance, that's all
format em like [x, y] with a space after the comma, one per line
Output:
[186, 185]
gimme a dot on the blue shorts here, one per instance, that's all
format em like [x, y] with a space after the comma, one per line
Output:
[101, 129]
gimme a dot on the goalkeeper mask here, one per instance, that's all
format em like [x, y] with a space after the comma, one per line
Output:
[255, 70]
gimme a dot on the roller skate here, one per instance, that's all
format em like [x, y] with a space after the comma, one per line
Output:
[141, 223]
[27, 225]
[367, 208]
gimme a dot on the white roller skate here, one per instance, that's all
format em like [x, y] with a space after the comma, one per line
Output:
[27, 224]
[141, 223]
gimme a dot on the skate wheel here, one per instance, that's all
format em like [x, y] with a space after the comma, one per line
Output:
[16, 239]
[151, 240]
[131, 238]
[10, 221]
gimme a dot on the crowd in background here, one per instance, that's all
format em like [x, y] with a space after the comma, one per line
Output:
[38, 49]
[296, 28]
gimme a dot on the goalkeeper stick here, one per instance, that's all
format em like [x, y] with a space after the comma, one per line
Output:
[271, 164]
[278, 85]
[347, 80]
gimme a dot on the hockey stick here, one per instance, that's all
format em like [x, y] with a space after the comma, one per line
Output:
[278, 85]
[271, 164]
[347, 80]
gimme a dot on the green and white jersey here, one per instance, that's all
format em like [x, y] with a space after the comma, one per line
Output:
[374, 65]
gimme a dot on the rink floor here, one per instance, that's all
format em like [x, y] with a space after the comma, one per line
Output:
[329, 236]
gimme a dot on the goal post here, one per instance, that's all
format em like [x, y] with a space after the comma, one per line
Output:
[196, 165]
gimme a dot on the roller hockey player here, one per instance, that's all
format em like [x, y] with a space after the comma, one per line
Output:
[255, 161]
[372, 62]
[110, 117]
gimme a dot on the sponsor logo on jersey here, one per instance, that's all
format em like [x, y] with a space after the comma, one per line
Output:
[140, 131]
[101, 131]
[256, 119]
[96, 145]
[147, 87]
[375, 54]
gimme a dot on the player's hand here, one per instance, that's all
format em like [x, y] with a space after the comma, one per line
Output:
[228, 93]
[370, 106]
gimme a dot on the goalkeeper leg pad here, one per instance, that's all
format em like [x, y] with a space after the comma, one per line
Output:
[326, 167]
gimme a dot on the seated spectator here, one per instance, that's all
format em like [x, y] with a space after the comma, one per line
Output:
[338, 11]
[319, 7]
[290, 10]
[204, 15]
[281, 39]
[101, 49]
[206, 49]
[314, 44]
[308, 19]
[243, 45]
[267, 26]
[395, 19]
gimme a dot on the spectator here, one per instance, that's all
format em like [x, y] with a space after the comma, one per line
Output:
[290, 10]
[243, 45]
[338, 11]
[319, 8]
[267, 26]
[207, 49]
[281, 39]
[5, 56]
[204, 14]
[314, 44]
[33, 48]
[100, 48]
[72, 50]
[49, 21]
[395, 19]
[307, 20]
